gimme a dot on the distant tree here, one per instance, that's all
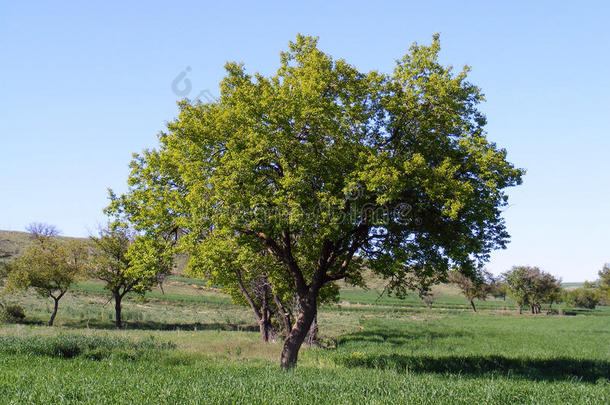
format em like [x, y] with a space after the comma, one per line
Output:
[547, 289]
[477, 286]
[531, 286]
[603, 285]
[40, 231]
[126, 263]
[429, 297]
[582, 298]
[50, 266]
[497, 288]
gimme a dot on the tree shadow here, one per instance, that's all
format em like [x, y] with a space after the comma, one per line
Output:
[555, 369]
[396, 337]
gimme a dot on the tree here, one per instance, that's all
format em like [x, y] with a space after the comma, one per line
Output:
[41, 231]
[327, 168]
[582, 297]
[518, 286]
[472, 287]
[127, 262]
[50, 266]
[531, 286]
[603, 285]
[497, 288]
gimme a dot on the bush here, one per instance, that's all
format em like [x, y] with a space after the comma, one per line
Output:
[582, 298]
[12, 314]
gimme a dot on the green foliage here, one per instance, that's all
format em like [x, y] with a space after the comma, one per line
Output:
[531, 286]
[49, 266]
[327, 169]
[128, 262]
[582, 298]
[603, 284]
[478, 287]
[11, 313]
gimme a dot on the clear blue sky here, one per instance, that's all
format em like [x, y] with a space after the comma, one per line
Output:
[83, 86]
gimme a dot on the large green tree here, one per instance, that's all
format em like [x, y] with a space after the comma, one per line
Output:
[327, 169]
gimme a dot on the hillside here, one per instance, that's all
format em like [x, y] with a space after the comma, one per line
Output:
[14, 243]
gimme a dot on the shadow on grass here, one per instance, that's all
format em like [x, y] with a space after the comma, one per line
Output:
[552, 369]
[398, 337]
[535, 369]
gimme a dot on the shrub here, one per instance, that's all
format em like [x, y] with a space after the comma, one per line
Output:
[582, 298]
[12, 314]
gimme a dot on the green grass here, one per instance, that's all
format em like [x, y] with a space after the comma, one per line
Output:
[448, 360]
[192, 345]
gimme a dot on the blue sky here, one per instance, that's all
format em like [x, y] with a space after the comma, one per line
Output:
[84, 86]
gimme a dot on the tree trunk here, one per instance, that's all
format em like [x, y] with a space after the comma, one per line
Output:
[306, 314]
[474, 309]
[264, 322]
[55, 305]
[117, 310]
[532, 308]
[520, 309]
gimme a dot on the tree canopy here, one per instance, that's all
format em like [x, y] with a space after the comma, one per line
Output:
[478, 287]
[326, 168]
[531, 286]
[49, 265]
[127, 262]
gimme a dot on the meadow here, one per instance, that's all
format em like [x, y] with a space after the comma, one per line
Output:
[192, 345]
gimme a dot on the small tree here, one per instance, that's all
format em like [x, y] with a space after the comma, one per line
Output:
[531, 286]
[49, 266]
[497, 288]
[582, 298]
[603, 285]
[41, 231]
[472, 287]
[127, 263]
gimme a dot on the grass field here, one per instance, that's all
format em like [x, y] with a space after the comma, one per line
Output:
[192, 345]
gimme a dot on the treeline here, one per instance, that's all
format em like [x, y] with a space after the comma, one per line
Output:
[531, 287]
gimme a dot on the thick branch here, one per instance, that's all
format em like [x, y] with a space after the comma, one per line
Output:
[247, 296]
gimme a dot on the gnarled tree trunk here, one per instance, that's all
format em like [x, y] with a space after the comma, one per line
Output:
[306, 314]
